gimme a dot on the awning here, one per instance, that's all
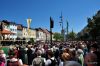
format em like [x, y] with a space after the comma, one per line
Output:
[6, 32]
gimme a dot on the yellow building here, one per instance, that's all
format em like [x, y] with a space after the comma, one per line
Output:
[32, 33]
[25, 32]
[29, 33]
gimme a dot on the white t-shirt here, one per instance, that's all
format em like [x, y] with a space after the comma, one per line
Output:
[14, 59]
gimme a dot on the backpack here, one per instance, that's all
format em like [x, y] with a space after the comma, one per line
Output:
[38, 62]
[10, 63]
[53, 62]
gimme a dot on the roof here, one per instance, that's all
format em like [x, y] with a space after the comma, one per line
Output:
[24, 26]
[8, 22]
[38, 29]
[46, 31]
[6, 32]
[19, 27]
[43, 30]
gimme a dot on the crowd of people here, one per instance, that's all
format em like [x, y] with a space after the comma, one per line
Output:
[70, 53]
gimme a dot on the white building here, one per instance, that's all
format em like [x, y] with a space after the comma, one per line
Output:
[39, 34]
[13, 29]
[9, 30]
[42, 35]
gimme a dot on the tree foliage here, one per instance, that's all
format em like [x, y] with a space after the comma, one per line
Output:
[32, 40]
[58, 37]
[72, 35]
[95, 28]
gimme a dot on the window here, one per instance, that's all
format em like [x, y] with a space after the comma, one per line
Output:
[11, 29]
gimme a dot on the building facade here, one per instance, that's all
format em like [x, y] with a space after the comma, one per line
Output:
[25, 32]
[19, 31]
[42, 35]
[13, 29]
[6, 32]
[39, 34]
[32, 33]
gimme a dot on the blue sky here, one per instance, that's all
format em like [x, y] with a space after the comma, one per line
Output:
[73, 11]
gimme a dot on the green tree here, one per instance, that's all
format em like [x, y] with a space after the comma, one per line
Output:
[72, 35]
[58, 36]
[32, 40]
[61, 37]
[94, 27]
[95, 31]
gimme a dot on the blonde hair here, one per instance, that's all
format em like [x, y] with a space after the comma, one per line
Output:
[65, 56]
[1, 51]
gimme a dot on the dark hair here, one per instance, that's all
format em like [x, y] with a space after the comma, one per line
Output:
[11, 53]
[50, 53]
[94, 46]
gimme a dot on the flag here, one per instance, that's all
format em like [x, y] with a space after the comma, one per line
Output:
[51, 23]
[1, 27]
